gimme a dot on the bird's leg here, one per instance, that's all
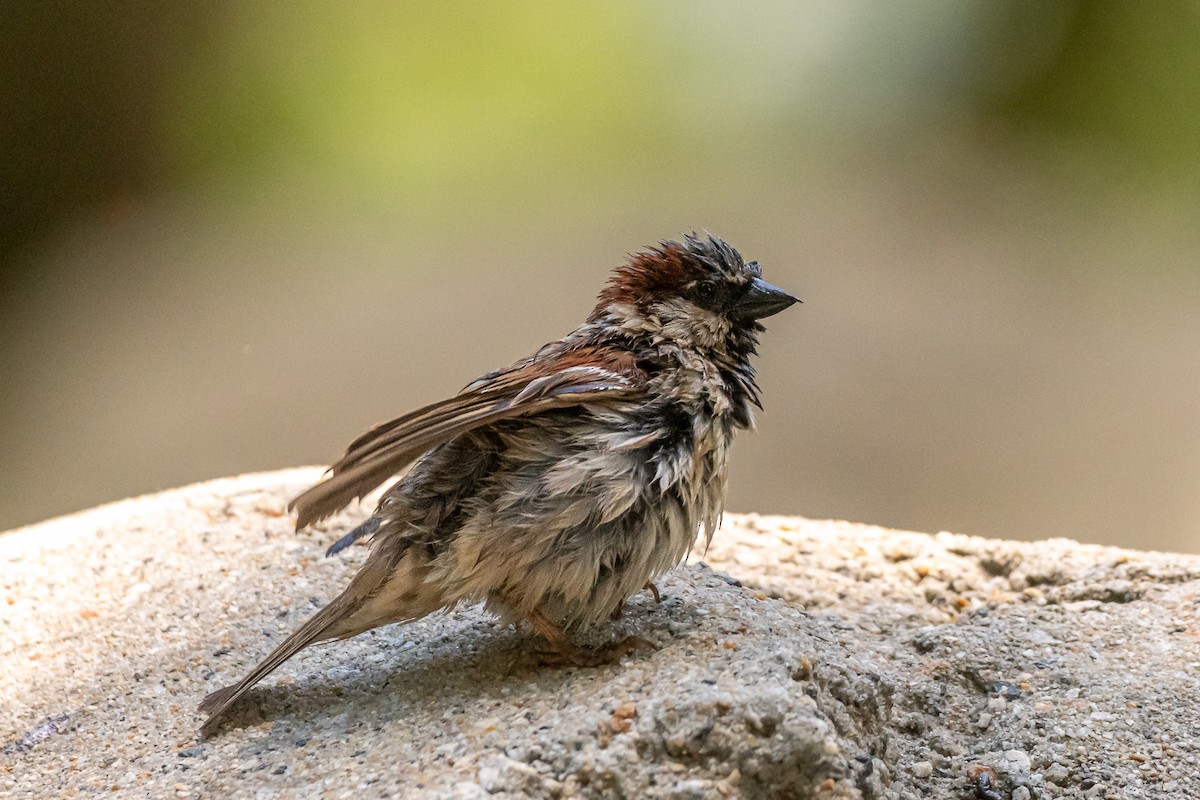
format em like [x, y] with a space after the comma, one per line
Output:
[620, 609]
[653, 590]
[563, 652]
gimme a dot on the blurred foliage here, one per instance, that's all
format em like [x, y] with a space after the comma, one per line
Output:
[419, 100]
[423, 103]
[1126, 76]
[427, 96]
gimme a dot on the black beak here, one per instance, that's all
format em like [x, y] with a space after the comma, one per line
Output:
[762, 300]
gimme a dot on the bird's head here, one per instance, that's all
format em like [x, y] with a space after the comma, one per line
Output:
[699, 293]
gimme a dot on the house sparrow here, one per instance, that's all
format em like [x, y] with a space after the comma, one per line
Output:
[554, 489]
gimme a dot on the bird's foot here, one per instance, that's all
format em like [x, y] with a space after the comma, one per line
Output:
[620, 609]
[571, 655]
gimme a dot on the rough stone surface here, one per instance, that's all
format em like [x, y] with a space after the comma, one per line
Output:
[850, 662]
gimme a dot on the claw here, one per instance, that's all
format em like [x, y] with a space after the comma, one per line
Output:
[576, 656]
[653, 590]
[620, 609]
[563, 652]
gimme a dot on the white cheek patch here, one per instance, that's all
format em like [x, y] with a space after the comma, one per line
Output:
[629, 319]
[688, 324]
[676, 320]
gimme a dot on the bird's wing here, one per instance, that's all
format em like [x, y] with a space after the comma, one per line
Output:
[570, 378]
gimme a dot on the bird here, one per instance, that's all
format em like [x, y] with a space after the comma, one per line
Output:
[554, 489]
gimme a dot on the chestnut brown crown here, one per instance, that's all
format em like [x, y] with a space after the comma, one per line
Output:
[701, 271]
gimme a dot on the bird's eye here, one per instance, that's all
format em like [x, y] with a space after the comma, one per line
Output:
[705, 292]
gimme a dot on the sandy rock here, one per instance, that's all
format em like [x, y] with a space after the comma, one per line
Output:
[804, 660]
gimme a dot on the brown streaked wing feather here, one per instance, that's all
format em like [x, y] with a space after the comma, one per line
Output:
[575, 378]
[488, 386]
[581, 370]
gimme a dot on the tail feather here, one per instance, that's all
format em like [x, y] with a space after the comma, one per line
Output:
[218, 702]
[341, 618]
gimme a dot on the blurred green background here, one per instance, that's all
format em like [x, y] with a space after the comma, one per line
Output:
[234, 235]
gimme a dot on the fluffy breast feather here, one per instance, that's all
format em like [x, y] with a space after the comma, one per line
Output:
[582, 510]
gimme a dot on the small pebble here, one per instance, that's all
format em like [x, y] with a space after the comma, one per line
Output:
[1057, 774]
